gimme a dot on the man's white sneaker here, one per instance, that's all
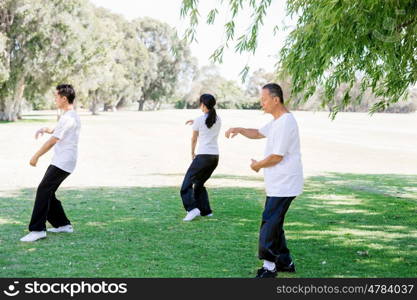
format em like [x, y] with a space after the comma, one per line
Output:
[66, 228]
[33, 236]
[209, 215]
[192, 214]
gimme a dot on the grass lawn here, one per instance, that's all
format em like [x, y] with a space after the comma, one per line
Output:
[342, 226]
[28, 120]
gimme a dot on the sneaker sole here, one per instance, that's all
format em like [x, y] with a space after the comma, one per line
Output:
[34, 240]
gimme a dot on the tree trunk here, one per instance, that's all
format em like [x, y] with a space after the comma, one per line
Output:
[12, 105]
[8, 113]
[20, 88]
[20, 111]
[141, 105]
[94, 103]
[94, 107]
[109, 107]
[120, 103]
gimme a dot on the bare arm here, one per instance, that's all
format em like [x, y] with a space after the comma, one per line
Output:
[247, 132]
[269, 161]
[45, 148]
[193, 143]
[43, 130]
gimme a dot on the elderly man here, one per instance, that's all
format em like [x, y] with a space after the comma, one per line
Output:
[283, 174]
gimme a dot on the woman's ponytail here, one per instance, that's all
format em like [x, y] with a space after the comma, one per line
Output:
[209, 101]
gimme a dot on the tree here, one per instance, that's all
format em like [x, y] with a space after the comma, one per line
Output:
[4, 72]
[133, 57]
[4, 23]
[258, 78]
[120, 75]
[227, 92]
[168, 58]
[334, 43]
[46, 43]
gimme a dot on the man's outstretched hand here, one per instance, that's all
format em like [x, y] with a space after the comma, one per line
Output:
[33, 161]
[232, 132]
[254, 165]
[40, 132]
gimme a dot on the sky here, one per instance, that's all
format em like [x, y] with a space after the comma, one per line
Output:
[211, 36]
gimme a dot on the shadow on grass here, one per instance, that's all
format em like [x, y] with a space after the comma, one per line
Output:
[29, 121]
[343, 225]
[34, 118]
[48, 115]
[216, 176]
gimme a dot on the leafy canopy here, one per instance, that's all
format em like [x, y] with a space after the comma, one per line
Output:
[335, 42]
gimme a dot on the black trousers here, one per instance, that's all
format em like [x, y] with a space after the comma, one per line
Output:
[193, 192]
[272, 242]
[47, 207]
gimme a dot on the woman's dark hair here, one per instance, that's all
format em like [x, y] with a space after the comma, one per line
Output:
[209, 101]
[66, 90]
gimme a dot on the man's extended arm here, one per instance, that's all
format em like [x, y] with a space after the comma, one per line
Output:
[43, 130]
[45, 148]
[269, 161]
[247, 132]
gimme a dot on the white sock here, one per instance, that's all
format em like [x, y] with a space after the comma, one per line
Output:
[269, 265]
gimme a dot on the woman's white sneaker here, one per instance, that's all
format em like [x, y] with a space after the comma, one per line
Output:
[192, 214]
[33, 236]
[66, 228]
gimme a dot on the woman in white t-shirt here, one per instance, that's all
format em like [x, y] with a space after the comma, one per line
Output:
[206, 130]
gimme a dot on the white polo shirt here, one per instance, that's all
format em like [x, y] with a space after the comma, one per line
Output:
[66, 149]
[285, 179]
[207, 137]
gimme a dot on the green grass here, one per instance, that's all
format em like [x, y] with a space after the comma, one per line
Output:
[342, 226]
[33, 118]
[24, 121]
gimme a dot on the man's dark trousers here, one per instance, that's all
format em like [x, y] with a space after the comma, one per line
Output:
[272, 242]
[47, 207]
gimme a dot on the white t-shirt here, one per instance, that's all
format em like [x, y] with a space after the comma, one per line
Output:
[66, 149]
[207, 137]
[285, 179]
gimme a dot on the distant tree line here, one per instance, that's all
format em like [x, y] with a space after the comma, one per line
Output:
[231, 95]
[114, 62]
[111, 61]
